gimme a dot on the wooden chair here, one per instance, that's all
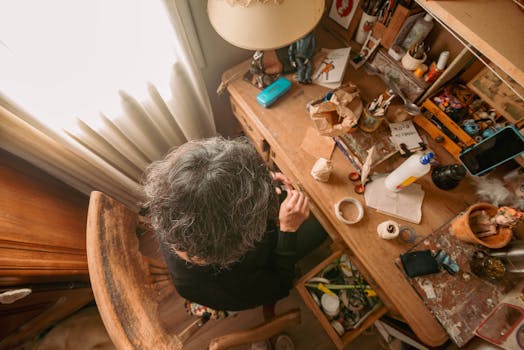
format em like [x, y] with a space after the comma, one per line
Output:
[127, 285]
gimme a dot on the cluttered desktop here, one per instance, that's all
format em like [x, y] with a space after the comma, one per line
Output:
[422, 193]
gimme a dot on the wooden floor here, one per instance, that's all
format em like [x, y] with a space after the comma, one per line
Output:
[308, 335]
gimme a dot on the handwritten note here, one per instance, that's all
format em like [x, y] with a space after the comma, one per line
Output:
[405, 133]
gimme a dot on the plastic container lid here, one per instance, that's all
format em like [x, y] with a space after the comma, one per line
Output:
[428, 17]
[426, 158]
[338, 327]
[330, 304]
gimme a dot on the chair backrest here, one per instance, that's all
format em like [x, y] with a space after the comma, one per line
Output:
[121, 278]
[128, 285]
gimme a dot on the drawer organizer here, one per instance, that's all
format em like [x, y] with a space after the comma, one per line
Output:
[337, 282]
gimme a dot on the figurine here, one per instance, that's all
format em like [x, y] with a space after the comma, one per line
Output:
[301, 53]
[258, 76]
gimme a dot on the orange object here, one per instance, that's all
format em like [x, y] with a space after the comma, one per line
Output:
[354, 176]
[421, 69]
[460, 227]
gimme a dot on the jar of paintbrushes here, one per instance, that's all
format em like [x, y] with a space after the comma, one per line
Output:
[415, 56]
[375, 111]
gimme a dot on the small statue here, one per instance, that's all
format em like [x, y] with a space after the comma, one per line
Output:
[259, 78]
[508, 216]
[301, 53]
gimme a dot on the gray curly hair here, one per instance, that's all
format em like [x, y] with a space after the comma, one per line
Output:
[211, 199]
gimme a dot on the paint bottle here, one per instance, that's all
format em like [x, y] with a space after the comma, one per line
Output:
[418, 32]
[415, 166]
[436, 69]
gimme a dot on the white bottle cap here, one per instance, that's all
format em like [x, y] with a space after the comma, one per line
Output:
[428, 17]
[442, 60]
[330, 304]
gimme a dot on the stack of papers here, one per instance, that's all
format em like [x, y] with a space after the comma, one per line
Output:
[356, 145]
[330, 71]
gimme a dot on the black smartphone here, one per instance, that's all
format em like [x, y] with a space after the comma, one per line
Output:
[505, 144]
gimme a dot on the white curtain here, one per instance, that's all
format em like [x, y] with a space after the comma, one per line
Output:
[94, 91]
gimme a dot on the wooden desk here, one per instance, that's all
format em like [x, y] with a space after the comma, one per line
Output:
[278, 133]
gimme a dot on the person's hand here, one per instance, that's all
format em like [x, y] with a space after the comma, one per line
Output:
[283, 179]
[294, 210]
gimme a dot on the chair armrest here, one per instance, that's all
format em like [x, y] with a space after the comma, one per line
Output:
[261, 332]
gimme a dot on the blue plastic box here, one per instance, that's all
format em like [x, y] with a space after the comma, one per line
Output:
[270, 95]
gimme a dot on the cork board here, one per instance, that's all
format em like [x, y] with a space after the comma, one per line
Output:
[461, 301]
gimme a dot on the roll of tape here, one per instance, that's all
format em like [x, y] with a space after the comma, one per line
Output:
[407, 234]
[388, 229]
[340, 215]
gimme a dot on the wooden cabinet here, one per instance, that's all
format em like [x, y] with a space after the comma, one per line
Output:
[491, 29]
[42, 248]
[46, 305]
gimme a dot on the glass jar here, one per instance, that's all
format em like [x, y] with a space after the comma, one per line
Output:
[369, 122]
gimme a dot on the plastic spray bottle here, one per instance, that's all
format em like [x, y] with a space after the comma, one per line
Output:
[418, 32]
[417, 165]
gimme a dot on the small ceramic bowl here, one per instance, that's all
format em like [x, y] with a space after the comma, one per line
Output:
[411, 63]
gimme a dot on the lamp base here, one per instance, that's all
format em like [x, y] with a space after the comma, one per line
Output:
[256, 74]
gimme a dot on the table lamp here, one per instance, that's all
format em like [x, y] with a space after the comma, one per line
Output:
[263, 24]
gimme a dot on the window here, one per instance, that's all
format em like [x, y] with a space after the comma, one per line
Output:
[63, 59]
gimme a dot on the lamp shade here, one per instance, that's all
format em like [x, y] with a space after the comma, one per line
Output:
[264, 25]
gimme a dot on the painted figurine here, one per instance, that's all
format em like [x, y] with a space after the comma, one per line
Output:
[259, 77]
[301, 54]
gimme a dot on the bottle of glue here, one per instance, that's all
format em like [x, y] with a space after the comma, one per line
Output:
[436, 69]
[415, 166]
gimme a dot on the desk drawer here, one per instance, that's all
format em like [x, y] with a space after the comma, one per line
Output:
[371, 308]
[250, 130]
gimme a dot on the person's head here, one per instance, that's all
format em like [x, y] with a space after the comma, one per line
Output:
[211, 199]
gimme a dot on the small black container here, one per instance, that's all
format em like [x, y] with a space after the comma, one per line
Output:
[448, 177]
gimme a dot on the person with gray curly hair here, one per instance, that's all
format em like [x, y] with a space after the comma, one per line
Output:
[228, 242]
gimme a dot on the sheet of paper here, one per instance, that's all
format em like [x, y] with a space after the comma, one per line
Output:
[317, 145]
[332, 67]
[405, 132]
[405, 204]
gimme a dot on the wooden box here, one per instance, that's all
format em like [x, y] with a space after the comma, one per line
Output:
[389, 33]
[340, 341]
[453, 141]
[411, 86]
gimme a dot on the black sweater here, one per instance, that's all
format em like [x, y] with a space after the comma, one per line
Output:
[263, 276]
